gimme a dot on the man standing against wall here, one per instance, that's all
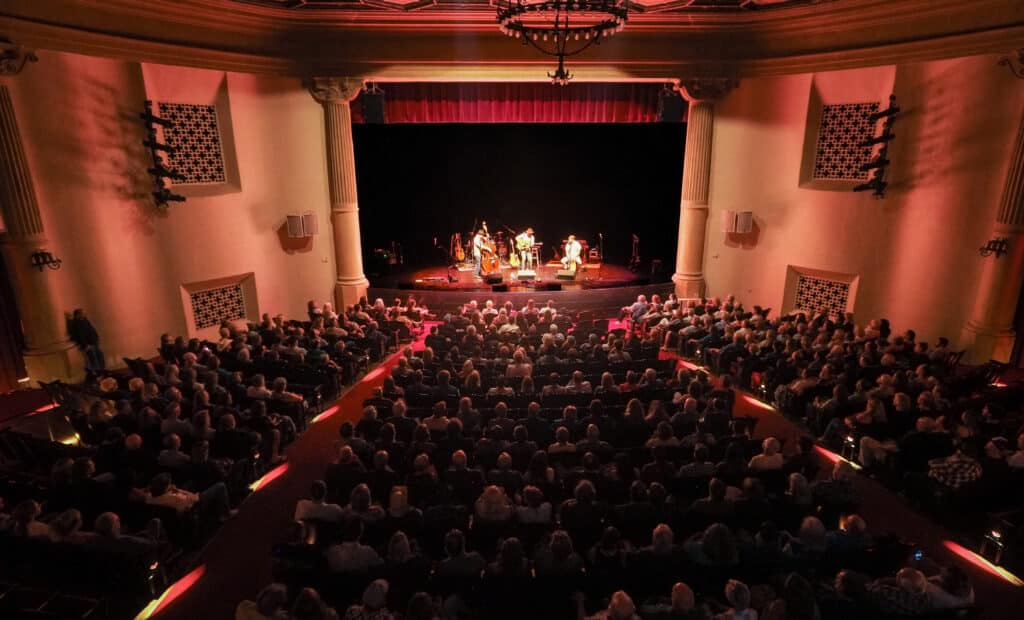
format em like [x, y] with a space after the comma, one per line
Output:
[83, 334]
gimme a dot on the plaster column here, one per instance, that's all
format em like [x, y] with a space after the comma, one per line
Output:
[693, 207]
[335, 94]
[988, 334]
[48, 353]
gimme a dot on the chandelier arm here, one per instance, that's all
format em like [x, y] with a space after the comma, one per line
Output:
[585, 46]
[540, 48]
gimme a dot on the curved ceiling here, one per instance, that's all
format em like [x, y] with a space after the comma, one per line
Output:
[458, 39]
[642, 6]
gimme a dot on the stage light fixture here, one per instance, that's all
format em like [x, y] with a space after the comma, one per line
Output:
[880, 161]
[151, 119]
[160, 171]
[877, 162]
[879, 139]
[164, 195]
[157, 146]
[892, 110]
[161, 194]
[875, 185]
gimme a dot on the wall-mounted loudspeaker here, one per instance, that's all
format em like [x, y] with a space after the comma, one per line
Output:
[740, 222]
[671, 106]
[302, 225]
[309, 223]
[373, 106]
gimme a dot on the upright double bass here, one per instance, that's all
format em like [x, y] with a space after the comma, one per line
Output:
[489, 260]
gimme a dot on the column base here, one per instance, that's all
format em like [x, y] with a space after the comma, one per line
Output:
[688, 286]
[61, 361]
[983, 344]
[347, 292]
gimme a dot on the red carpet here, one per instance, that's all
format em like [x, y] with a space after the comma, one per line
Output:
[15, 404]
[238, 558]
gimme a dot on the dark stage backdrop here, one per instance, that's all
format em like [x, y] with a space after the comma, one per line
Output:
[421, 181]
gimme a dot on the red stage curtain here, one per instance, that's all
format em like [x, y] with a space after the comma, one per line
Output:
[12, 367]
[472, 102]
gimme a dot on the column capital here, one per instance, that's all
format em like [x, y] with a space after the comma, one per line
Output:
[708, 89]
[335, 89]
[13, 58]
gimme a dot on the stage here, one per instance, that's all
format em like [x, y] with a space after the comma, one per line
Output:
[603, 287]
[589, 276]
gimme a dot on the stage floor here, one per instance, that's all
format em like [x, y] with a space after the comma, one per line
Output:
[597, 275]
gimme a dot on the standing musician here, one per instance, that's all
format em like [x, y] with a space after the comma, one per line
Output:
[479, 240]
[524, 245]
[573, 252]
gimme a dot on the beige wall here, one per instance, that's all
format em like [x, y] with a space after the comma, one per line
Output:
[125, 260]
[915, 251]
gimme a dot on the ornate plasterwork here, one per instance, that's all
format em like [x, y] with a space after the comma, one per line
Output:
[335, 89]
[707, 88]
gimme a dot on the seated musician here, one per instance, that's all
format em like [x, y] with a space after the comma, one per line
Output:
[524, 245]
[573, 254]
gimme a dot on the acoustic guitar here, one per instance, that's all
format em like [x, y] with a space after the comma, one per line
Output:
[460, 254]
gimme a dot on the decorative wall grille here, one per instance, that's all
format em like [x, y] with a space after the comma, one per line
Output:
[813, 294]
[844, 127]
[214, 305]
[195, 137]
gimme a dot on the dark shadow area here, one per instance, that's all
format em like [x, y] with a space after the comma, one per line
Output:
[426, 181]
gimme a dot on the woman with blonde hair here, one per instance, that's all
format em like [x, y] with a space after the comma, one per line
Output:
[493, 505]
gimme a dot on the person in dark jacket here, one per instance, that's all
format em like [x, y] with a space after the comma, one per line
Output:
[87, 339]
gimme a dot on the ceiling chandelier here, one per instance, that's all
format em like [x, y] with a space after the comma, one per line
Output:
[561, 27]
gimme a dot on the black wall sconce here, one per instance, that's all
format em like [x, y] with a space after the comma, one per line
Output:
[998, 246]
[1015, 65]
[43, 259]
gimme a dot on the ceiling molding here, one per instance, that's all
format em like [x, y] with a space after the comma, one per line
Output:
[237, 36]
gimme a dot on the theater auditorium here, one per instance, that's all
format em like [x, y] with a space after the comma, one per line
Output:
[505, 309]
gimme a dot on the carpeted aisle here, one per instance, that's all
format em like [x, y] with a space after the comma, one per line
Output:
[887, 512]
[238, 563]
[237, 560]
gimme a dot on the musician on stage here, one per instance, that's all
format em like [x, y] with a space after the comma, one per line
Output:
[573, 252]
[479, 239]
[524, 245]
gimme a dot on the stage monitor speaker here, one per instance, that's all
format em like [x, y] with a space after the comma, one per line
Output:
[565, 274]
[493, 278]
[549, 286]
[525, 276]
[671, 106]
[499, 288]
[373, 107]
